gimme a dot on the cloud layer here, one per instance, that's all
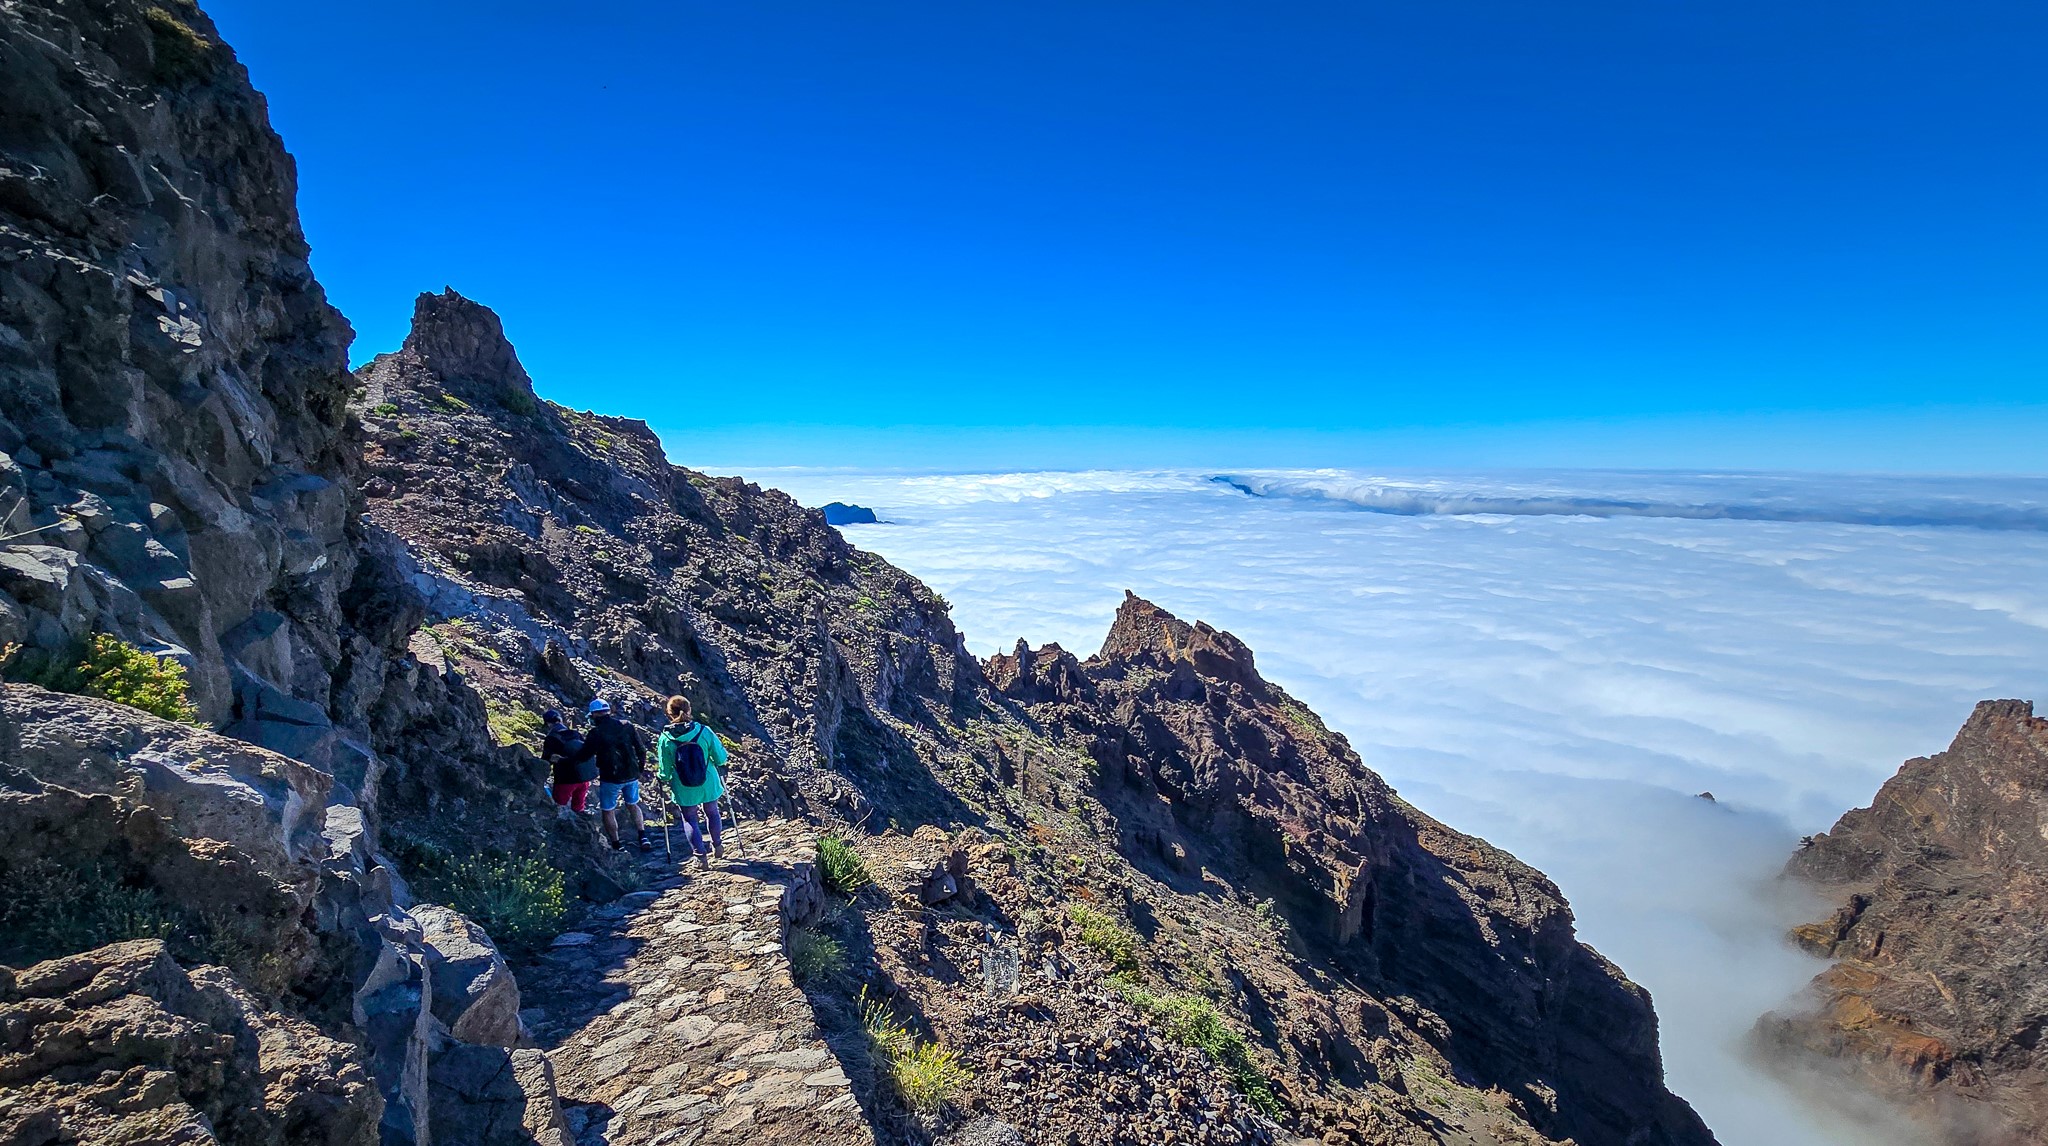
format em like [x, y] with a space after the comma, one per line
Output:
[1558, 682]
[1977, 503]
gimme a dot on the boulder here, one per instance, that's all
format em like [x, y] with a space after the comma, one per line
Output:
[496, 1096]
[474, 992]
[121, 1045]
[268, 807]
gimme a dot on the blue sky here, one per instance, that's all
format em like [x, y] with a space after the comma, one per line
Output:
[1748, 234]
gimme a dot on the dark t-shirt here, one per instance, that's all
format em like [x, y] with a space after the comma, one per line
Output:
[617, 748]
[558, 748]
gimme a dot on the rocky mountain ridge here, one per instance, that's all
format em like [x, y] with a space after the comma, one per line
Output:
[1935, 1000]
[1163, 782]
[373, 581]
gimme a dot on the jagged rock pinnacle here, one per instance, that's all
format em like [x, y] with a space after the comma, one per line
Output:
[1145, 632]
[458, 338]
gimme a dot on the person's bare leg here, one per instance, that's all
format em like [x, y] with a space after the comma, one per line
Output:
[611, 826]
[634, 818]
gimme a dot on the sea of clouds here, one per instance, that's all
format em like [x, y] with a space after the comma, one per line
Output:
[1559, 663]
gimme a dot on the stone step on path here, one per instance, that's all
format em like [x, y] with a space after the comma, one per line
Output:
[672, 1018]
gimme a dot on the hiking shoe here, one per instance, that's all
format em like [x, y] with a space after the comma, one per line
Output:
[618, 845]
[646, 845]
[703, 861]
[718, 849]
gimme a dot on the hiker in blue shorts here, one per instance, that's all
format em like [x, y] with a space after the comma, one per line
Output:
[621, 756]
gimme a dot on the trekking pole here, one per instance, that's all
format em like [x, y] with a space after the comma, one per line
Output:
[732, 824]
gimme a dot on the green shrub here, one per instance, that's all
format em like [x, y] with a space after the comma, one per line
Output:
[887, 1036]
[452, 402]
[519, 402]
[518, 899]
[387, 409]
[1301, 718]
[408, 435]
[1267, 912]
[1112, 940]
[181, 52]
[1192, 1021]
[49, 910]
[844, 871]
[928, 1076]
[513, 724]
[115, 670]
[925, 1074]
[815, 957]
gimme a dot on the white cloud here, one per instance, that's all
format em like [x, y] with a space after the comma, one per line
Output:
[1558, 682]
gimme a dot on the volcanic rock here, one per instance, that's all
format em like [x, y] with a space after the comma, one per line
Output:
[1935, 1001]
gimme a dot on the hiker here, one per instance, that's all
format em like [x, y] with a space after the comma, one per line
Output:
[621, 756]
[571, 779]
[688, 758]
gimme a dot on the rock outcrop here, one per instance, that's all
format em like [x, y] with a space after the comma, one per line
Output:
[1422, 941]
[173, 383]
[123, 1046]
[1935, 1001]
[178, 471]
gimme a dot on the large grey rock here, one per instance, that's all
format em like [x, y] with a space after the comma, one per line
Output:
[392, 1011]
[269, 807]
[495, 1096]
[473, 990]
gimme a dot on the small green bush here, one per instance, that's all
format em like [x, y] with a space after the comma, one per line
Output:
[928, 1076]
[519, 402]
[387, 409]
[815, 957]
[181, 52]
[453, 403]
[49, 910]
[1192, 1021]
[1267, 912]
[408, 435]
[844, 871]
[513, 724]
[1112, 940]
[925, 1074]
[115, 670]
[518, 899]
[887, 1036]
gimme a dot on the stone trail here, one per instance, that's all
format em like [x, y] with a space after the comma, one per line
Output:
[672, 1017]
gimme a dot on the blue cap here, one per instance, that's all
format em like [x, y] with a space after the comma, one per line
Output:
[552, 716]
[598, 705]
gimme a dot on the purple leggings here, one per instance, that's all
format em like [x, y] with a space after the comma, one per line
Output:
[695, 834]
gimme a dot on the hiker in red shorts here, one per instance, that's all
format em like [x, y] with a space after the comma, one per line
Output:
[571, 780]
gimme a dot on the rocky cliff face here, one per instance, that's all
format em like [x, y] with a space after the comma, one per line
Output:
[177, 471]
[172, 380]
[1420, 940]
[1935, 1001]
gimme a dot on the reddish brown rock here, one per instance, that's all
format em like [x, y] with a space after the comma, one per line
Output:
[1936, 999]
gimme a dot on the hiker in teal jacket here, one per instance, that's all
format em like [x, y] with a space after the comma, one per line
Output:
[683, 747]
